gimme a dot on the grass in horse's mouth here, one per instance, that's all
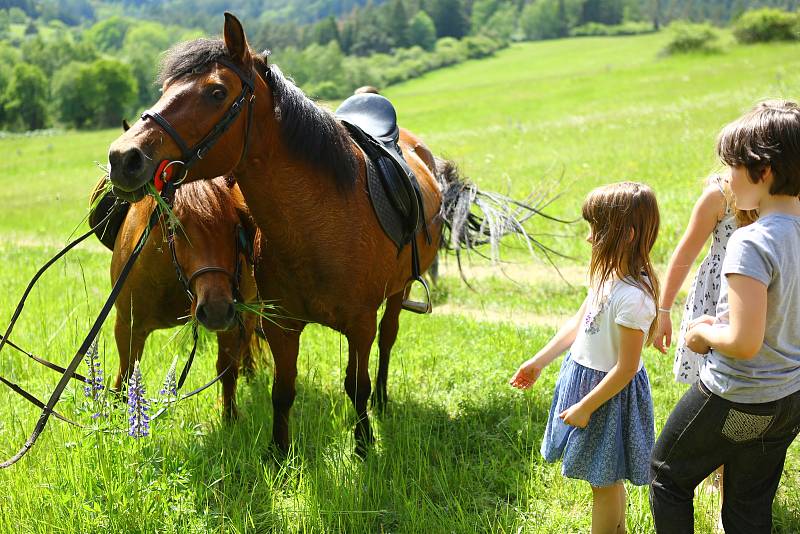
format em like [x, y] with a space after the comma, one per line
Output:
[163, 207]
[266, 309]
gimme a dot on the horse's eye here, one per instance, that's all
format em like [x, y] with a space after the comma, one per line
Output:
[219, 94]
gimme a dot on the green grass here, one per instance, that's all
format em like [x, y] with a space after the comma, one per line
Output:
[458, 449]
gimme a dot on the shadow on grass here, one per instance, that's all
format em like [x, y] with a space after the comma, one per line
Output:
[459, 468]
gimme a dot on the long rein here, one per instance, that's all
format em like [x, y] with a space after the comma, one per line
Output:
[69, 372]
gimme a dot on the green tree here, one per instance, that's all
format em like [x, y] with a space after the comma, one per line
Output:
[540, 20]
[395, 21]
[482, 10]
[503, 23]
[26, 97]
[108, 35]
[96, 94]
[422, 31]
[323, 32]
[449, 16]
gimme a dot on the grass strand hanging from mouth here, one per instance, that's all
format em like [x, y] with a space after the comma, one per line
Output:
[164, 209]
[266, 309]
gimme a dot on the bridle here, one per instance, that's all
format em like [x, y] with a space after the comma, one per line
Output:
[191, 155]
[243, 247]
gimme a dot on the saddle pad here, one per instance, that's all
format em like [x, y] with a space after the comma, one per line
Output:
[389, 218]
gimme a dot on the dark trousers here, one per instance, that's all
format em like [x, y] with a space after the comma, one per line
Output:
[705, 431]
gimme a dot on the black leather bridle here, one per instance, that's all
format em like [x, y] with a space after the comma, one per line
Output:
[243, 246]
[190, 155]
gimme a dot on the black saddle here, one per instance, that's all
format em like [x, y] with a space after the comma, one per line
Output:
[392, 186]
[107, 232]
[374, 114]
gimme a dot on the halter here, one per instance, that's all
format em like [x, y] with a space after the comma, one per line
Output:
[190, 156]
[242, 247]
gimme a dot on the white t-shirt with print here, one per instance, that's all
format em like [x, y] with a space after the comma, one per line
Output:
[597, 343]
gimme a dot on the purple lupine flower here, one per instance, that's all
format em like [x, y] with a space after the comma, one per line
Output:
[138, 405]
[94, 377]
[170, 388]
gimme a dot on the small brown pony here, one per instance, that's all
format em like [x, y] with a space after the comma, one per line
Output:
[216, 234]
[324, 257]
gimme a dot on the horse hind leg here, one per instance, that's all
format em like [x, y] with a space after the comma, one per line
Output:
[357, 383]
[390, 324]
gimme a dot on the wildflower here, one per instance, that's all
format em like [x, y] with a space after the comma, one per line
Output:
[170, 388]
[94, 377]
[138, 405]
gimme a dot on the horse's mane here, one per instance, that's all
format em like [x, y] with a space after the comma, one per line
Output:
[310, 132]
[208, 201]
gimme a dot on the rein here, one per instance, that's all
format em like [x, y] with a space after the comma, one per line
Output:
[190, 156]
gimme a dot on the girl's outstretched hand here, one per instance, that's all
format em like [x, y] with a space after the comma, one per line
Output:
[662, 339]
[527, 375]
[576, 415]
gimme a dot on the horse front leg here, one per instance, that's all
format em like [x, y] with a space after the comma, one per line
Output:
[357, 383]
[390, 324]
[230, 345]
[130, 345]
[284, 344]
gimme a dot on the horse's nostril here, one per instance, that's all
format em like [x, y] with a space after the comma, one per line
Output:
[132, 162]
[231, 315]
[200, 313]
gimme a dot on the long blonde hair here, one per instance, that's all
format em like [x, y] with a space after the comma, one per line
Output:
[743, 217]
[624, 219]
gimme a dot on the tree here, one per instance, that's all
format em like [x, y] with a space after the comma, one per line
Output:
[94, 94]
[503, 23]
[481, 11]
[449, 17]
[109, 34]
[26, 98]
[395, 21]
[422, 31]
[603, 11]
[323, 32]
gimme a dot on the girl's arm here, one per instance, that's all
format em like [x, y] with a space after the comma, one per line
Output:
[704, 218]
[743, 336]
[630, 352]
[529, 371]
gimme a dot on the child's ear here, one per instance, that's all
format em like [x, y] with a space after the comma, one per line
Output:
[766, 174]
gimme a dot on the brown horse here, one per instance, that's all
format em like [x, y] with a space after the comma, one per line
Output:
[325, 258]
[216, 233]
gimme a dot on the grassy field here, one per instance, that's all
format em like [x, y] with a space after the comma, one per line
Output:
[458, 449]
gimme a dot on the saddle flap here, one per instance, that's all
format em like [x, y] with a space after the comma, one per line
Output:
[107, 232]
[372, 113]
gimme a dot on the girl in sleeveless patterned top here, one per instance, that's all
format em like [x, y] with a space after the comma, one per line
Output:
[715, 215]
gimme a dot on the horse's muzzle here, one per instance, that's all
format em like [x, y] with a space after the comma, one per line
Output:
[129, 168]
[216, 315]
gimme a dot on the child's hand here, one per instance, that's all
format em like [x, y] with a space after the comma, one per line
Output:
[576, 415]
[694, 339]
[662, 339]
[527, 375]
[703, 319]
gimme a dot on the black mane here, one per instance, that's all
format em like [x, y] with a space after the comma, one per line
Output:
[310, 132]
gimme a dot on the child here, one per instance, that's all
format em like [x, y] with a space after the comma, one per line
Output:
[601, 419]
[714, 214]
[744, 411]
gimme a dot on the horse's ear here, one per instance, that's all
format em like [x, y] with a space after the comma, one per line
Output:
[125, 125]
[235, 41]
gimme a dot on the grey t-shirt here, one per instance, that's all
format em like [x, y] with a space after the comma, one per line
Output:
[769, 251]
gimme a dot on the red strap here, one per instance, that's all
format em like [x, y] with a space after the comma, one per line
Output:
[163, 174]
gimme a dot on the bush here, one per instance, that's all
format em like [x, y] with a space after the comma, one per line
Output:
[479, 46]
[688, 37]
[768, 24]
[626, 28]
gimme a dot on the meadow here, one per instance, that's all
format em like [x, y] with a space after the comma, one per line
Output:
[458, 449]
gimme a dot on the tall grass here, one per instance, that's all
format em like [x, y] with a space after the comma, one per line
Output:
[457, 450]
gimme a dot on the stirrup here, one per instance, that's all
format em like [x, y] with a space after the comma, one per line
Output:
[417, 306]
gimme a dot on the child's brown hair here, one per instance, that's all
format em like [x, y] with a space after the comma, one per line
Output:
[624, 219]
[766, 136]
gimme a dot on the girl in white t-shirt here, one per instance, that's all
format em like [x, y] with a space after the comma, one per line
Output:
[601, 420]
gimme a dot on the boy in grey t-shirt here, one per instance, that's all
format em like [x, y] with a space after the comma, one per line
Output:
[745, 410]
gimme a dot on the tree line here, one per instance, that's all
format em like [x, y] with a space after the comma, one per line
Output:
[88, 64]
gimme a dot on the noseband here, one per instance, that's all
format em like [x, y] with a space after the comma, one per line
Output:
[242, 247]
[190, 156]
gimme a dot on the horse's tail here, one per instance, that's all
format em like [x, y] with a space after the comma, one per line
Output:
[473, 217]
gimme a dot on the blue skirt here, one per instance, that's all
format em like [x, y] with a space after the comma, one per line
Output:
[617, 442]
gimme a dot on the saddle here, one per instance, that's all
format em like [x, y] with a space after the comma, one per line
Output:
[107, 232]
[392, 186]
